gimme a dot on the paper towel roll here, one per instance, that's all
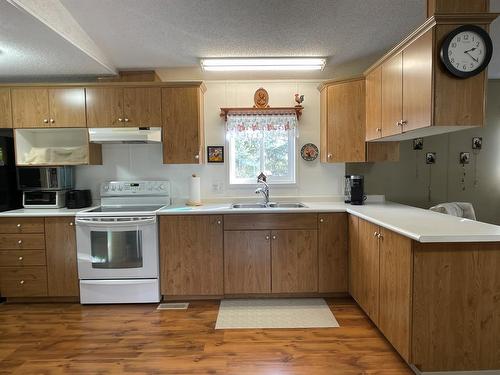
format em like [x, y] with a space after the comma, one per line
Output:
[194, 191]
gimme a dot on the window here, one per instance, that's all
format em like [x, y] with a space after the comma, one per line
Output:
[269, 149]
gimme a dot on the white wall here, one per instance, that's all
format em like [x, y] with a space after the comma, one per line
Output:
[408, 180]
[145, 161]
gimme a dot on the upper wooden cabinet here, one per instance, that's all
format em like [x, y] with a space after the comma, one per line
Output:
[5, 109]
[48, 107]
[123, 106]
[342, 124]
[183, 130]
[411, 92]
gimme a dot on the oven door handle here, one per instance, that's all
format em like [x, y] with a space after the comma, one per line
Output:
[121, 222]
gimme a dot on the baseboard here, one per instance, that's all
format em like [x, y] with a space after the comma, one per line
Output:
[480, 372]
[43, 299]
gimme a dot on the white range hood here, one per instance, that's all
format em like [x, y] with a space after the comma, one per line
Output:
[125, 135]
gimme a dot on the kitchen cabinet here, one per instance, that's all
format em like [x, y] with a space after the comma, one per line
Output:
[247, 262]
[62, 272]
[44, 107]
[395, 290]
[183, 128]
[332, 253]
[364, 266]
[191, 255]
[22, 257]
[5, 108]
[123, 106]
[343, 119]
[294, 261]
[418, 96]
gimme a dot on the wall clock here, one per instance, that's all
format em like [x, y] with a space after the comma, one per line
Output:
[466, 51]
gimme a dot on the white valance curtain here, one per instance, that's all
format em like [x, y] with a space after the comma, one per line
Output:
[257, 122]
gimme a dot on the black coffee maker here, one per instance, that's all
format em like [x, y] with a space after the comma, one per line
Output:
[354, 189]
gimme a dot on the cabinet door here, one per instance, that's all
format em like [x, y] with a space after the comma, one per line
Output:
[294, 255]
[392, 95]
[23, 281]
[5, 109]
[30, 107]
[417, 83]
[365, 267]
[191, 255]
[346, 122]
[67, 108]
[104, 107]
[374, 104]
[62, 272]
[247, 262]
[395, 290]
[332, 253]
[142, 106]
[182, 125]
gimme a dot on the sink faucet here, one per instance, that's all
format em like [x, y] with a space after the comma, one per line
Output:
[264, 190]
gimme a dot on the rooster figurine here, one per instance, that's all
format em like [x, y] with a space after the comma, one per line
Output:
[299, 99]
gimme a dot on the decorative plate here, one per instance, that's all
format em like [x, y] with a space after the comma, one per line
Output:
[309, 152]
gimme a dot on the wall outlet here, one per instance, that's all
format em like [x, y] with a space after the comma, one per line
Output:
[464, 158]
[430, 158]
[218, 187]
[477, 143]
[418, 144]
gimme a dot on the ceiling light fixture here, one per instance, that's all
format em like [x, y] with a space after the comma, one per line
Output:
[276, 63]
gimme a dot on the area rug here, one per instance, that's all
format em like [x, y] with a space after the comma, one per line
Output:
[275, 313]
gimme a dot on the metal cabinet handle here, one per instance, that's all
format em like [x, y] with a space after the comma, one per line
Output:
[398, 123]
[126, 119]
[375, 234]
[20, 242]
[321, 220]
[275, 237]
[380, 236]
[20, 258]
[71, 224]
[197, 156]
[219, 222]
[378, 130]
[404, 122]
[52, 121]
[120, 119]
[21, 282]
[18, 225]
[330, 156]
[45, 121]
[267, 237]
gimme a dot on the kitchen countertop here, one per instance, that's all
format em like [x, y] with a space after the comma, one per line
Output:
[416, 223]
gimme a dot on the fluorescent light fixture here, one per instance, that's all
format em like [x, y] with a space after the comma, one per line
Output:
[273, 63]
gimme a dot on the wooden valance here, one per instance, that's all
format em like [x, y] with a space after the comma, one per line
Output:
[297, 110]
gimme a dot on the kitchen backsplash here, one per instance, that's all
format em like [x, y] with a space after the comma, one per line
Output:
[145, 161]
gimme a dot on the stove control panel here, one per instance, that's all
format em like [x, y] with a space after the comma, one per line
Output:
[125, 188]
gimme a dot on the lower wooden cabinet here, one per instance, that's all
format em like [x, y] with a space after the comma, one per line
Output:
[247, 262]
[191, 255]
[23, 281]
[332, 253]
[62, 265]
[294, 261]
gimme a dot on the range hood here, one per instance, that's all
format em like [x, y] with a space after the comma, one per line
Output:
[125, 135]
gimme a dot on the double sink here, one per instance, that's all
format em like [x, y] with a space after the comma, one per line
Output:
[268, 205]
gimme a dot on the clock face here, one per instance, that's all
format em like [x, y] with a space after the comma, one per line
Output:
[466, 51]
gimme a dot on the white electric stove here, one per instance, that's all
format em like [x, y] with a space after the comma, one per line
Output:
[117, 243]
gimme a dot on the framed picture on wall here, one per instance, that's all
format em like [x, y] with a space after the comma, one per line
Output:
[215, 154]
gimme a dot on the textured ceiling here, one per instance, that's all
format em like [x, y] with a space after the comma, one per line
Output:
[175, 34]
[28, 48]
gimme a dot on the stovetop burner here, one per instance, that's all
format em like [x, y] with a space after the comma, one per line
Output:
[111, 209]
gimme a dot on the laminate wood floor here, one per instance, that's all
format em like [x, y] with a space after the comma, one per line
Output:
[138, 339]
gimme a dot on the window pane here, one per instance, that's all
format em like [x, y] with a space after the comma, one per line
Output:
[247, 146]
[276, 153]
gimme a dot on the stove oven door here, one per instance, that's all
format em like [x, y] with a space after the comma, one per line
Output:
[117, 247]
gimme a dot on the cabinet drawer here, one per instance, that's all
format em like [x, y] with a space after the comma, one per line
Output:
[21, 225]
[23, 282]
[270, 221]
[22, 258]
[22, 241]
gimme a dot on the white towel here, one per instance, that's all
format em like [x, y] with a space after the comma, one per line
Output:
[459, 209]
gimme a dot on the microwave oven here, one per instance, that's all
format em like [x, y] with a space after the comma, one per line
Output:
[46, 178]
[44, 199]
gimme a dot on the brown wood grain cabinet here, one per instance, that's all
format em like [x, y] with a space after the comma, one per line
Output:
[5, 108]
[332, 253]
[294, 261]
[419, 97]
[247, 262]
[191, 255]
[62, 272]
[123, 106]
[43, 107]
[183, 130]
